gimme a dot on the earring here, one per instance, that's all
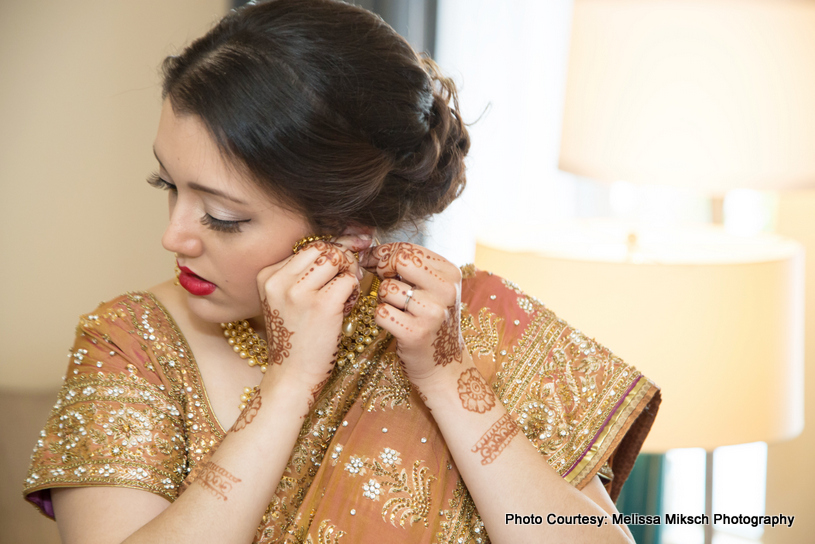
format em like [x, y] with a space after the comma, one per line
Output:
[177, 270]
[308, 239]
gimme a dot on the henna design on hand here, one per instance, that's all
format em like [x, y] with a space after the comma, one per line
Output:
[382, 311]
[497, 437]
[277, 335]
[475, 394]
[391, 256]
[332, 253]
[449, 344]
[217, 480]
[249, 413]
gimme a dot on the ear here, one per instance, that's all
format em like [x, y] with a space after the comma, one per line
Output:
[358, 230]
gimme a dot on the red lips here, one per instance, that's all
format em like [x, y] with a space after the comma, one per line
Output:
[194, 283]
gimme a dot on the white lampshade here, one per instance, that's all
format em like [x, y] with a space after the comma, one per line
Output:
[709, 94]
[716, 321]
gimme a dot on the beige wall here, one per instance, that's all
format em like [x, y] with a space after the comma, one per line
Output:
[790, 478]
[79, 100]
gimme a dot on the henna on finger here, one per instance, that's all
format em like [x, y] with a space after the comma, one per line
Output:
[277, 335]
[497, 437]
[475, 394]
[332, 253]
[449, 344]
[399, 254]
[383, 312]
[392, 288]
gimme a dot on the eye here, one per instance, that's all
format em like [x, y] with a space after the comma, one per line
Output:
[220, 225]
[155, 180]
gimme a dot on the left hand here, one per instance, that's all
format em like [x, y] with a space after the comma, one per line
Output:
[426, 325]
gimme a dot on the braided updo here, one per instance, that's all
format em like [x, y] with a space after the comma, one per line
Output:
[328, 109]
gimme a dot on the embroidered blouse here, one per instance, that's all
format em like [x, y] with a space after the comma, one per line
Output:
[134, 412]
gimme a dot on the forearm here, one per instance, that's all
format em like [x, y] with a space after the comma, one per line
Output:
[504, 472]
[231, 493]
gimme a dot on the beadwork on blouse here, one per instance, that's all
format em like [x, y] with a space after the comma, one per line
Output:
[134, 412]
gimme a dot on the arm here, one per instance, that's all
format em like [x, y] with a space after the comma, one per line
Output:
[496, 461]
[505, 473]
[234, 487]
[224, 506]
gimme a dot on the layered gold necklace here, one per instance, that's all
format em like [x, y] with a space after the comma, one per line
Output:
[359, 330]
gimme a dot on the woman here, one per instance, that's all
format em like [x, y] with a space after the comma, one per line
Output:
[388, 394]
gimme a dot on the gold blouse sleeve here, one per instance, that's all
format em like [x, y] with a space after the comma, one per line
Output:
[113, 423]
[579, 404]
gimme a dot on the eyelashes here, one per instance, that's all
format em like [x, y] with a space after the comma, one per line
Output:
[219, 225]
[154, 180]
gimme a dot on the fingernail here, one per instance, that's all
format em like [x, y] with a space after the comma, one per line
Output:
[364, 236]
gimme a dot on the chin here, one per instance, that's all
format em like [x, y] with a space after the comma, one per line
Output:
[211, 310]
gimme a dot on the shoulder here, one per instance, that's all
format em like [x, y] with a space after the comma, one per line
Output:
[131, 334]
[118, 420]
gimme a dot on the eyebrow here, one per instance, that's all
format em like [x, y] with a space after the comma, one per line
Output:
[203, 188]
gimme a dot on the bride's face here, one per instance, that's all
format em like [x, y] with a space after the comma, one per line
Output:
[223, 228]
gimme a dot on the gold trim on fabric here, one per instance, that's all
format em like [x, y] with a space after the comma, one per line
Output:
[601, 445]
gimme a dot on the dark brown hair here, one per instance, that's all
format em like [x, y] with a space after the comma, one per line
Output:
[329, 109]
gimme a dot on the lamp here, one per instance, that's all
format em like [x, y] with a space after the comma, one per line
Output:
[716, 320]
[709, 94]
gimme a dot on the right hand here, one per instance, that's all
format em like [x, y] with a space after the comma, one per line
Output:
[304, 299]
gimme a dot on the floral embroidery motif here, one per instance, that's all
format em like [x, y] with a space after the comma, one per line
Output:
[481, 338]
[412, 503]
[389, 386]
[372, 489]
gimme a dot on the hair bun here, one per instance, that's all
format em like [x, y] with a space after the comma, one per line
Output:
[434, 172]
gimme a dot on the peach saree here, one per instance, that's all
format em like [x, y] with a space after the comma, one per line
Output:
[370, 464]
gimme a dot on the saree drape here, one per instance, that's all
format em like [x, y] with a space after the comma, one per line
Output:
[370, 464]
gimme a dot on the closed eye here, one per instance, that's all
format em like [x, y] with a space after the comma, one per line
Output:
[220, 225]
[156, 181]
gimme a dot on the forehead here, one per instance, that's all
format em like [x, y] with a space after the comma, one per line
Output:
[188, 152]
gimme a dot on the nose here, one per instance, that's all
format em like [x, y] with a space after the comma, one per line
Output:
[181, 235]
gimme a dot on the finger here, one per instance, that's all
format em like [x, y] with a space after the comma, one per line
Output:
[271, 270]
[394, 320]
[414, 264]
[317, 263]
[402, 295]
[342, 291]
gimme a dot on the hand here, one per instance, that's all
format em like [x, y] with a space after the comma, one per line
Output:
[426, 326]
[304, 299]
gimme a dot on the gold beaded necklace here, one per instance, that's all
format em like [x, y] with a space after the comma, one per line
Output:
[358, 331]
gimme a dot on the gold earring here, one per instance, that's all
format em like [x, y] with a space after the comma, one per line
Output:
[308, 239]
[177, 270]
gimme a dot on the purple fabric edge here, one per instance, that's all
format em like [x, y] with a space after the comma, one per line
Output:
[42, 499]
[593, 440]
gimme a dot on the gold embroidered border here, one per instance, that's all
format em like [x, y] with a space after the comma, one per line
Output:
[587, 465]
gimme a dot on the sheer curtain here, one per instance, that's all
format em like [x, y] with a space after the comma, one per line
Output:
[509, 62]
